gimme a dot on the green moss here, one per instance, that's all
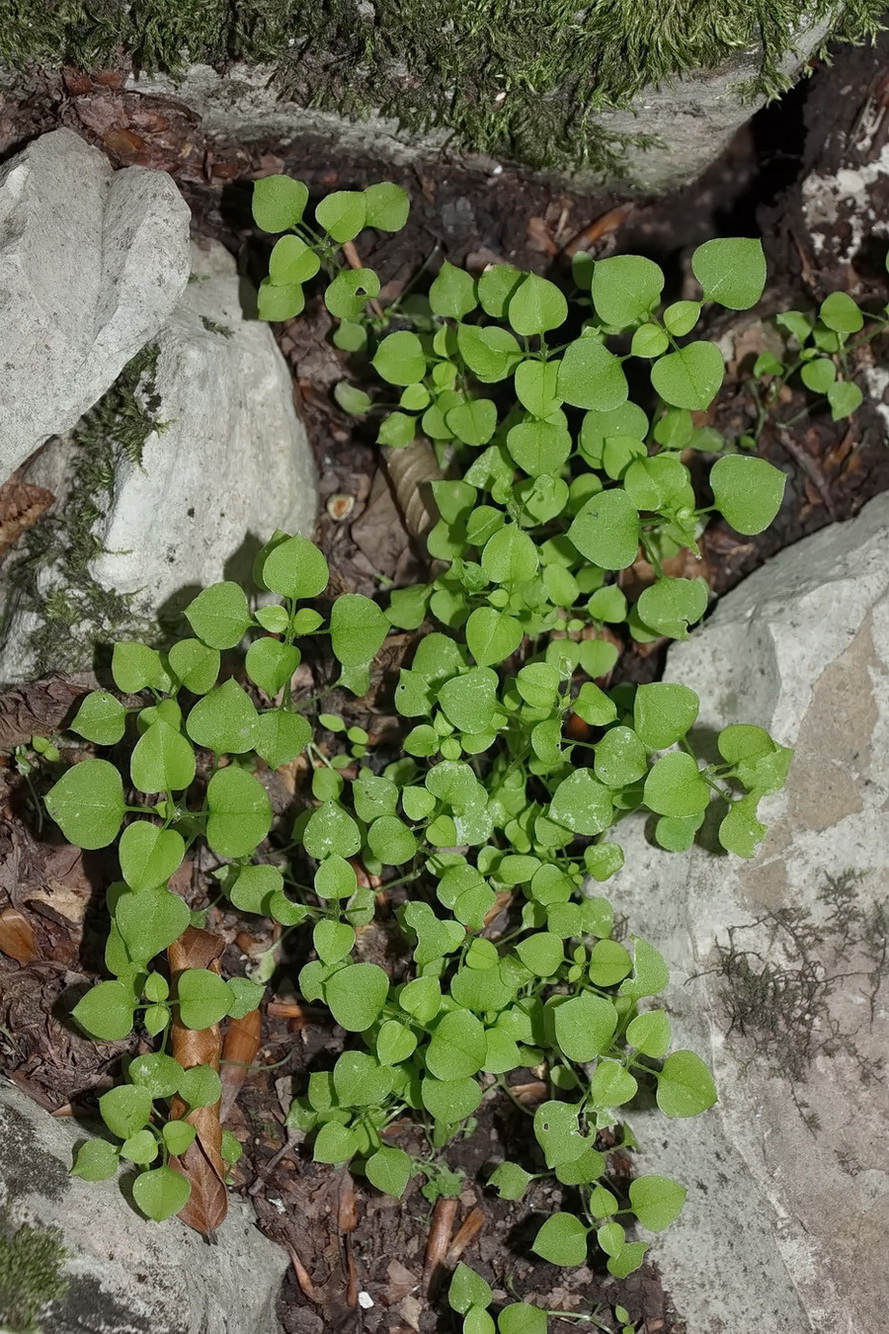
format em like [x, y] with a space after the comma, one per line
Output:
[65, 540]
[30, 1263]
[446, 63]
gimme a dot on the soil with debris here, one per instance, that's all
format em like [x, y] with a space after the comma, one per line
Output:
[359, 1260]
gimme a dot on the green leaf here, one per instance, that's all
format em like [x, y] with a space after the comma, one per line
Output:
[628, 1259]
[178, 1136]
[387, 206]
[840, 313]
[162, 760]
[87, 803]
[335, 1144]
[819, 375]
[492, 636]
[156, 1072]
[106, 1011]
[149, 920]
[246, 996]
[450, 1100]
[606, 530]
[390, 1170]
[663, 713]
[541, 953]
[149, 855]
[356, 995]
[557, 1131]
[536, 306]
[496, 286]
[473, 422]
[350, 292]
[253, 886]
[562, 1240]
[135, 666]
[295, 568]
[684, 1085]
[400, 358]
[674, 786]
[357, 629]
[333, 941]
[330, 829]
[278, 303]
[224, 720]
[352, 399]
[96, 1160]
[649, 1033]
[650, 972]
[671, 606]
[521, 1318]
[539, 447]
[612, 1085]
[510, 557]
[360, 1081]
[280, 735]
[681, 317]
[656, 1201]
[740, 832]
[292, 262]
[390, 841]
[219, 615]
[690, 377]
[101, 718]
[536, 385]
[747, 491]
[278, 202]
[510, 1181]
[395, 1042]
[195, 664]
[140, 1148]
[732, 271]
[468, 1289]
[397, 430]
[203, 998]
[844, 398]
[609, 963]
[592, 377]
[490, 353]
[453, 292]
[582, 804]
[584, 1026]
[621, 758]
[457, 1048]
[342, 214]
[240, 812]
[349, 337]
[161, 1193]
[125, 1109]
[626, 289]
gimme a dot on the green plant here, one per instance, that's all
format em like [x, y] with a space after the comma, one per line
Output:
[515, 821]
[818, 348]
[483, 833]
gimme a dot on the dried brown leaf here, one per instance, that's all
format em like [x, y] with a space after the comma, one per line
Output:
[238, 1054]
[17, 936]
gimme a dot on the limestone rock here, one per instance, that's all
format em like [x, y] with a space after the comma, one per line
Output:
[92, 262]
[228, 463]
[127, 1275]
[778, 964]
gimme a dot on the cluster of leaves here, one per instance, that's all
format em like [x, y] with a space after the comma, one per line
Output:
[818, 348]
[518, 821]
[562, 479]
[470, 1295]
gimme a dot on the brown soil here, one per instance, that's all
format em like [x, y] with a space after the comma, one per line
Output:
[345, 1239]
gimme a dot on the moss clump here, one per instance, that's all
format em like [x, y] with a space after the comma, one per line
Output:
[520, 81]
[30, 1263]
[65, 540]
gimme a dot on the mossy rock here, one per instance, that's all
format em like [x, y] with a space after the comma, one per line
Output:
[526, 83]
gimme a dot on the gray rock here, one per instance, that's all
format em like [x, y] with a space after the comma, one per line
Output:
[778, 964]
[231, 462]
[689, 120]
[127, 1275]
[228, 462]
[92, 262]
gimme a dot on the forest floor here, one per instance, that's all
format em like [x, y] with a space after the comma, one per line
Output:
[345, 1239]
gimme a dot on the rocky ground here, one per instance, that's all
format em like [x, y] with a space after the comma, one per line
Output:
[779, 968]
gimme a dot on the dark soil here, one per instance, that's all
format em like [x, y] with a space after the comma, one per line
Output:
[345, 1239]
